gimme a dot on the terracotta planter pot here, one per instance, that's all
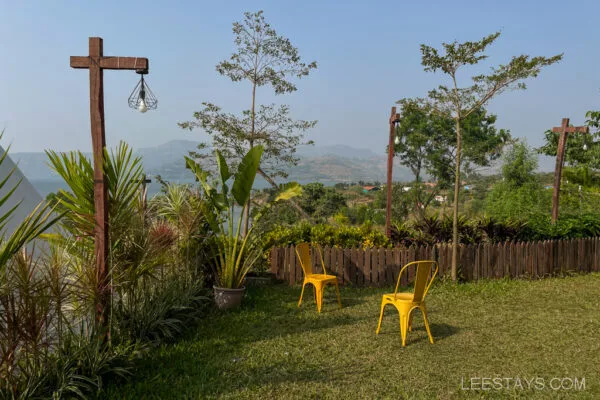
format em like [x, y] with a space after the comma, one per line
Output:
[228, 298]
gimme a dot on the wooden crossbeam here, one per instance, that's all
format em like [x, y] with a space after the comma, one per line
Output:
[128, 63]
[571, 129]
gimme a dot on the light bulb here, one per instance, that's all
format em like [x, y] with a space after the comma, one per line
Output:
[397, 140]
[142, 107]
[584, 147]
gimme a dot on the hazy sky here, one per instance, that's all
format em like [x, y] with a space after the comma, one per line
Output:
[367, 53]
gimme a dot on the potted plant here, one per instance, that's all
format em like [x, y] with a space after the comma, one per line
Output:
[235, 253]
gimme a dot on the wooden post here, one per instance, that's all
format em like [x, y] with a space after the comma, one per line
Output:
[97, 63]
[394, 118]
[145, 181]
[564, 130]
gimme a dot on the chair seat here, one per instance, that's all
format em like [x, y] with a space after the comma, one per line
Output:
[321, 277]
[403, 297]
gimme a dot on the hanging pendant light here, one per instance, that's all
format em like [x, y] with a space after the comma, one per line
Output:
[142, 98]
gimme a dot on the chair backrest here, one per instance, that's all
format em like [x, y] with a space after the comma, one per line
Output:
[303, 253]
[422, 278]
[320, 250]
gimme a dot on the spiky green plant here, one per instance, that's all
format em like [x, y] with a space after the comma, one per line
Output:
[236, 253]
[124, 174]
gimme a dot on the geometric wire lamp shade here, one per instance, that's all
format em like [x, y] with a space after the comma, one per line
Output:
[142, 98]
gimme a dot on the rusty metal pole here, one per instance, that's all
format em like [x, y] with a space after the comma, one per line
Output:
[563, 130]
[394, 118]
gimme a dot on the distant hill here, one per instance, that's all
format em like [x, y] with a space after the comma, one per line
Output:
[327, 164]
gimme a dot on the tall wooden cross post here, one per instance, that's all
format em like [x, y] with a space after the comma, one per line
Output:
[97, 63]
[394, 118]
[564, 130]
[145, 181]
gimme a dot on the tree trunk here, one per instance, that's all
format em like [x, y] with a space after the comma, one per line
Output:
[455, 205]
[246, 211]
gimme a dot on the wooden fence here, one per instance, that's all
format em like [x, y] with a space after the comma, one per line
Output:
[380, 267]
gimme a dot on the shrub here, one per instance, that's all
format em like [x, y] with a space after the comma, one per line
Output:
[325, 235]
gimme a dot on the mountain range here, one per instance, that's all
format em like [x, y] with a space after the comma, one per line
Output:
[326, 164]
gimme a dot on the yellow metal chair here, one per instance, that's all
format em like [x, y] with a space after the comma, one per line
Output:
[405, 303]
[319, 281]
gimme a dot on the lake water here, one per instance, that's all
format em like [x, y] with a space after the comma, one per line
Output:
[45, 187]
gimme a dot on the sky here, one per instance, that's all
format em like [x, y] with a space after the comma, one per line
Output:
[367, 54]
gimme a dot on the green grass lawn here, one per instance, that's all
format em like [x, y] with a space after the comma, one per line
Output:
[271, 349]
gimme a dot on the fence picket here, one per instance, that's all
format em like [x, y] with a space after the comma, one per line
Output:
[366, 268]
[380, 266]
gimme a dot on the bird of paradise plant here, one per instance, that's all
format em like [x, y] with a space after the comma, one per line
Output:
[235, 252]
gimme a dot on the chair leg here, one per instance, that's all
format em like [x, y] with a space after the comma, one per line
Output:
[403, 327]
[424, 311]
[301, 294]
[380, 317]
[319, 292]
[337, 289]
[410, 321]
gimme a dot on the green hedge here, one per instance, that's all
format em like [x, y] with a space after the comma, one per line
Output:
[325, 235]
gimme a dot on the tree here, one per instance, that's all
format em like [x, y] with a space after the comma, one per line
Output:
[320, 201]
[263, 58]
[427, 144]
[460, 102]
[519, 196]
[520, 163]
[400, 201]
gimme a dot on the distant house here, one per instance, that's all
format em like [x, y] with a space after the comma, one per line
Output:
[406, 188]
[367, 189]
[440, 199]
[430, 184]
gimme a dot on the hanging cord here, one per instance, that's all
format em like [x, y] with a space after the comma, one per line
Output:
[142, 89]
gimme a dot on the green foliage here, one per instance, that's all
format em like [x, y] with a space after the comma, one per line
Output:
[280, 213]
[35, 224]
[362, 214]
[520, 163]
[236, 252]
[325, 235]
[508, 202]
[263, 58]
[459, 103]
[50, 345]
[402, 202]
[575, 155]
[567, 227]
[124, 174]
[520, 195]
[320, 201]
[49, 348]
[427, 140]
